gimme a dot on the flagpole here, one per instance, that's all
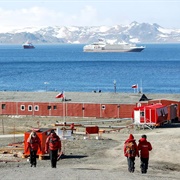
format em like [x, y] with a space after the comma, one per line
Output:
[64, 117]
[137, 88]
[62, 95]
[141, 87]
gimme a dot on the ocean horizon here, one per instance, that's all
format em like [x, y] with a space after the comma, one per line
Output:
[67, 68]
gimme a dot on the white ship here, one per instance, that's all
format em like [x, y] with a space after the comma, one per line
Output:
[103, 46]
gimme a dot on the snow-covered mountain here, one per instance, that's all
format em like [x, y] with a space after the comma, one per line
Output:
[132, 33]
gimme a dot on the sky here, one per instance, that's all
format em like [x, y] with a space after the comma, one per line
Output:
[41, 13]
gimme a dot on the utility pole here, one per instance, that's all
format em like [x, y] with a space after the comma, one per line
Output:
[46, 83]
[114, 86]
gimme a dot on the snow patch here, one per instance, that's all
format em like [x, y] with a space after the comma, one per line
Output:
[166, 31]
[61, 33]
[104, 28]
[26, 29]
[164, 36]
[73, 29]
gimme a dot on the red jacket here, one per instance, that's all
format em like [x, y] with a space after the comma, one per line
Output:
[72, 126]
[135, 145]
[53, 142]
[144, 147]
[34, 143]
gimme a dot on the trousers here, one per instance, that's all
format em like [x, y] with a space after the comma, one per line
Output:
[53, 157]
[33, 157]
[131, 164]
[144, 164]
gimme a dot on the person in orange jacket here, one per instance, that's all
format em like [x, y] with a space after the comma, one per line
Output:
[53, 145]
[131, 151]
[144, 147]
[33, 143]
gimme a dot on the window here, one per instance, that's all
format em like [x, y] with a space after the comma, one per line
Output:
[54, 107]
[3, 106]
[29, 107]
[22, 107]
[162, 112]
[49, 107]
[36, 108]
[103, 107]
[142, 113]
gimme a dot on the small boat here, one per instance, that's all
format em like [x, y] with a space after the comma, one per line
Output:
[28, 45]
[103, 46]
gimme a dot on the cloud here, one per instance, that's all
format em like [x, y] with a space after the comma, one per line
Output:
[34, 16]
[42, 16]
[86, 13]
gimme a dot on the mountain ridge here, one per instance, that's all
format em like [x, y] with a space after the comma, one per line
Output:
[132, 33]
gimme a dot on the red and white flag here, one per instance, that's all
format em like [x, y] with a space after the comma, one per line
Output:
[135, 86]
[60, 95]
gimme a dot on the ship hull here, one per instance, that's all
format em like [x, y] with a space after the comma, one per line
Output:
[28, 47]
[116, 50]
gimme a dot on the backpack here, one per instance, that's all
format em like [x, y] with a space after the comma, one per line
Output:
[130, 149]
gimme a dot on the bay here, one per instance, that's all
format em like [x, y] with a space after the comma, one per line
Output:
[66, 67]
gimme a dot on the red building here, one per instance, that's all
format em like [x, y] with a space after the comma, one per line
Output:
[67, 109]
[79, 104]
[154, 115]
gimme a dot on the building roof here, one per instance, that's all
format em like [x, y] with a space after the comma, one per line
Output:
[82, 97]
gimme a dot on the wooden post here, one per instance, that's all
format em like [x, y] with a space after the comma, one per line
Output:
[2, 126]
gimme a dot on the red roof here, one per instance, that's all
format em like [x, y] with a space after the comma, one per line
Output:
[153, 106]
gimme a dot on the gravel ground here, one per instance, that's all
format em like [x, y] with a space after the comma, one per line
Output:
[87, 159]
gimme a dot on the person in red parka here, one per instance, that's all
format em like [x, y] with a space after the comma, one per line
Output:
[131, 151]
[53, 145]
[72, 128]
[34, 143]
[144, 147]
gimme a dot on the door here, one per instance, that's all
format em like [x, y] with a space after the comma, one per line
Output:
[137, 117]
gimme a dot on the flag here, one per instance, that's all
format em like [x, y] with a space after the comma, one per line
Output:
[134, 86]
[60, 95]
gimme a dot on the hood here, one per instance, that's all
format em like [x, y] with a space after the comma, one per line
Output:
[142, 140]
[131, 136]
[130, 139]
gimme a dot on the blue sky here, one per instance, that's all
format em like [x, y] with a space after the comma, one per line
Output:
[24, 13]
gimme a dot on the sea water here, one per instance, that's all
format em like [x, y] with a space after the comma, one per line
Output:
[67, 68]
